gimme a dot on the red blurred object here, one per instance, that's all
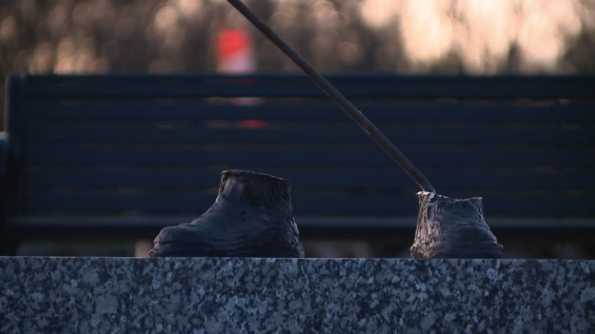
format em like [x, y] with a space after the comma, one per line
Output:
[235, 56]
[253, 124]
[231, 42]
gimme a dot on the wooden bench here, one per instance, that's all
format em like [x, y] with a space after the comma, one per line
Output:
[126, 155]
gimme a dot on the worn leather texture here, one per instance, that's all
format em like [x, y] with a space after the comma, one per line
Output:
[452, 228]
[251, 216]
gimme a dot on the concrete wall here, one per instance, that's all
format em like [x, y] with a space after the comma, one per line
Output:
[214, 295]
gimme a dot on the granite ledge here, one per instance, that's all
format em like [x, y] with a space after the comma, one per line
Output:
[215, 295]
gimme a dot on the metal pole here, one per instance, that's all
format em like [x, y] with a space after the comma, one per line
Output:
[346, 106]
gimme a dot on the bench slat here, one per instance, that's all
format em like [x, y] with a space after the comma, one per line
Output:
[404, 223]
[536, 204]
[369, 86]
[48, 135]
[385, 110]
[347, 177]
[263, 156]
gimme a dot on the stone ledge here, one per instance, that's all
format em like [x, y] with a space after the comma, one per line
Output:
[214, 295]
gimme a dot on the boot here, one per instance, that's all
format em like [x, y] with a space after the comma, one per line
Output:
[452, 228]
[252, 216]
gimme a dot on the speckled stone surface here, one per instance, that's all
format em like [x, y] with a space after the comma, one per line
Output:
[232, 295]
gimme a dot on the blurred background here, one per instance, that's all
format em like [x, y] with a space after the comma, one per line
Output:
[473, 37]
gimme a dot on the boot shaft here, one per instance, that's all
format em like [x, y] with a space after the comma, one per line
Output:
[255, 189]
[452, 228]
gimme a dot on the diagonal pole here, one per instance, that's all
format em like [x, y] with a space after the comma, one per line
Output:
[346, 106]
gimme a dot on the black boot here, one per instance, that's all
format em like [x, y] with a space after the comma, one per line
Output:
[252, 216]
[452, 228]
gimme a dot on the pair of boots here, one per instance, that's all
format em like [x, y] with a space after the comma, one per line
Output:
[253, 216]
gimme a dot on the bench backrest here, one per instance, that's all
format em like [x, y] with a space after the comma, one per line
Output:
[153, 146]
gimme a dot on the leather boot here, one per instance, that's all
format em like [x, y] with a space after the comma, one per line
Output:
[452, 228]
[252, 216]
